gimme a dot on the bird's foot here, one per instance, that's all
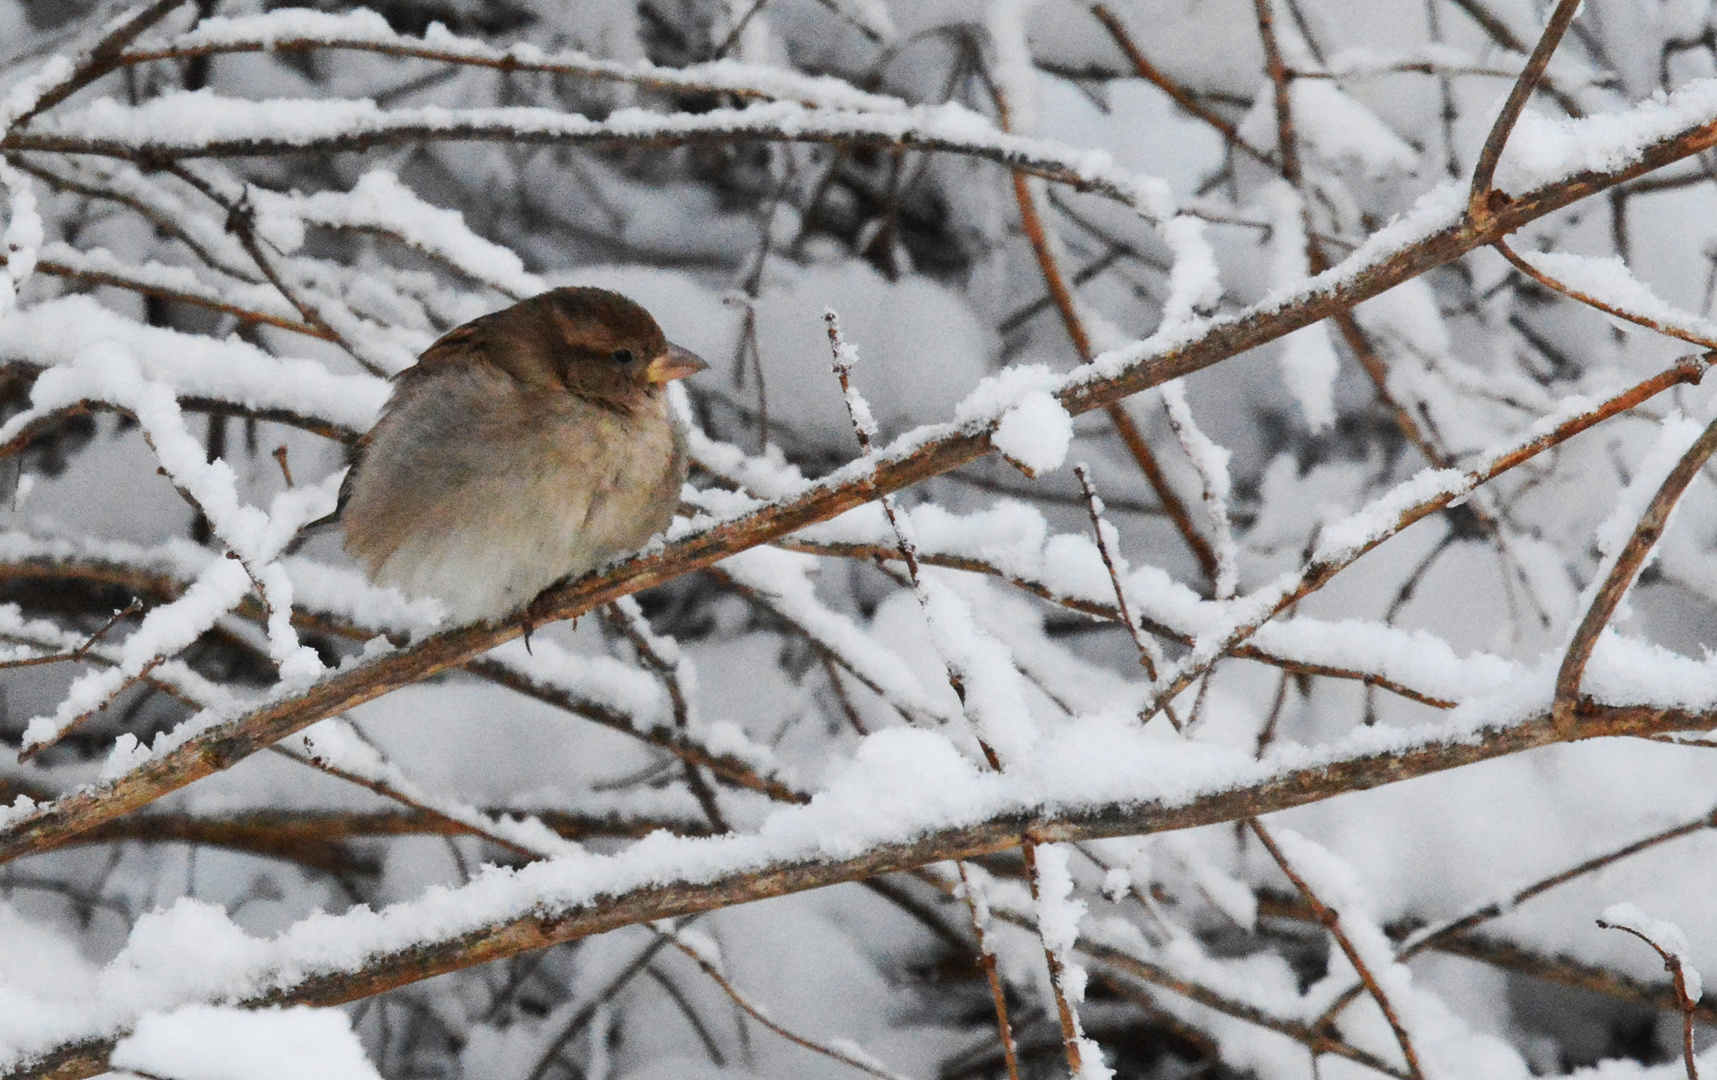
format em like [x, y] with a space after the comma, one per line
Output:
[536, 613]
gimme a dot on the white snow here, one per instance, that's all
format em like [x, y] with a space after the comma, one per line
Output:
[1609, 281]
[208, 1042]
[1308, 358]
[1034, 434]
[1665, 935]
[1542, 150]
[1339, 128]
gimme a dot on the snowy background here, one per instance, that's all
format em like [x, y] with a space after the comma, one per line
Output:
[1285, 511]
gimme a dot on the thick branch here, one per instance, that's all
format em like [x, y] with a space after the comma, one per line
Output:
[546, 924]
[231, 741]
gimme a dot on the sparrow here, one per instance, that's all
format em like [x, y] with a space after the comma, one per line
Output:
[524, 447]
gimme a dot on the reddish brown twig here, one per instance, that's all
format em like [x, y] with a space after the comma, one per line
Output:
[1358, 342]
[161, 292]
[81, 651]
[1148, 653]
[1331, 921]
[1072, 1037]
[859, 414]
[448, 824]
[46, 422]
[1119, 960]
[1499, 32]
[628, 620]
[1094, 507]
[1514, 957]
[1320, 570]
[1245, 650]
[1671, 964]
[1479, 203]
[1134, 440]
[1031, 220]
[106, 56]
[586, 1013]
[979, 912]
[1287, 146]
[1149, 72]
[757, 1014]
[282, 457]
[1433, 937]
[241, 225]
[1692, 337]
[78, 721]
[1622, 574]
[1313, 1039]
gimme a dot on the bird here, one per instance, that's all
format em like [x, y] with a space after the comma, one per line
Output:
[527, 446]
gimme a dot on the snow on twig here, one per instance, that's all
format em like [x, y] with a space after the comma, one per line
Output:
[378, 201]
[1210, 461]
[1671, 944]
[337, 747]
[254, 538]
[22, 236]
[298, 28]
[205, 124]
[782, 580]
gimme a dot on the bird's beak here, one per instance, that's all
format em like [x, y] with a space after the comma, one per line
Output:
[674, 363]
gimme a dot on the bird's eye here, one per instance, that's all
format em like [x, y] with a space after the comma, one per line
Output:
[621, 356]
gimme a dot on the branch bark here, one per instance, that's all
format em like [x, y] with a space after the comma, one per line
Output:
[231, 740]
[546, 923]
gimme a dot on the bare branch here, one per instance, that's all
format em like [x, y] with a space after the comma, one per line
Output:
[1479, 202]
[1622, 574]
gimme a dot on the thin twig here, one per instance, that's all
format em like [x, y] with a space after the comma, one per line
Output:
[1332, 922]
[1432, 937]
[1692, 337]
[106, 56]
[1321, 569]
[1287, 145]
[281, 456]
[979, 913]
[1182, 97]
[628, 619]
[588, 1011]
[1243, 650]
[1622, 574]
[1499, 32]
[115, 280]
[1065, 304]
[1072, 1036]
[1148, 652]
[240, 223]
[81, 651]
[389, 791]
[863, 427]
[673, 938]
[1672, 964]
[1135, 967]
[1479, 201]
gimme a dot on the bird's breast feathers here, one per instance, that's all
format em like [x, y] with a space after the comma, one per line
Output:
[508, 494]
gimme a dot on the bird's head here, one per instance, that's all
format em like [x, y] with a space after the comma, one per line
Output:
[593, 343]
